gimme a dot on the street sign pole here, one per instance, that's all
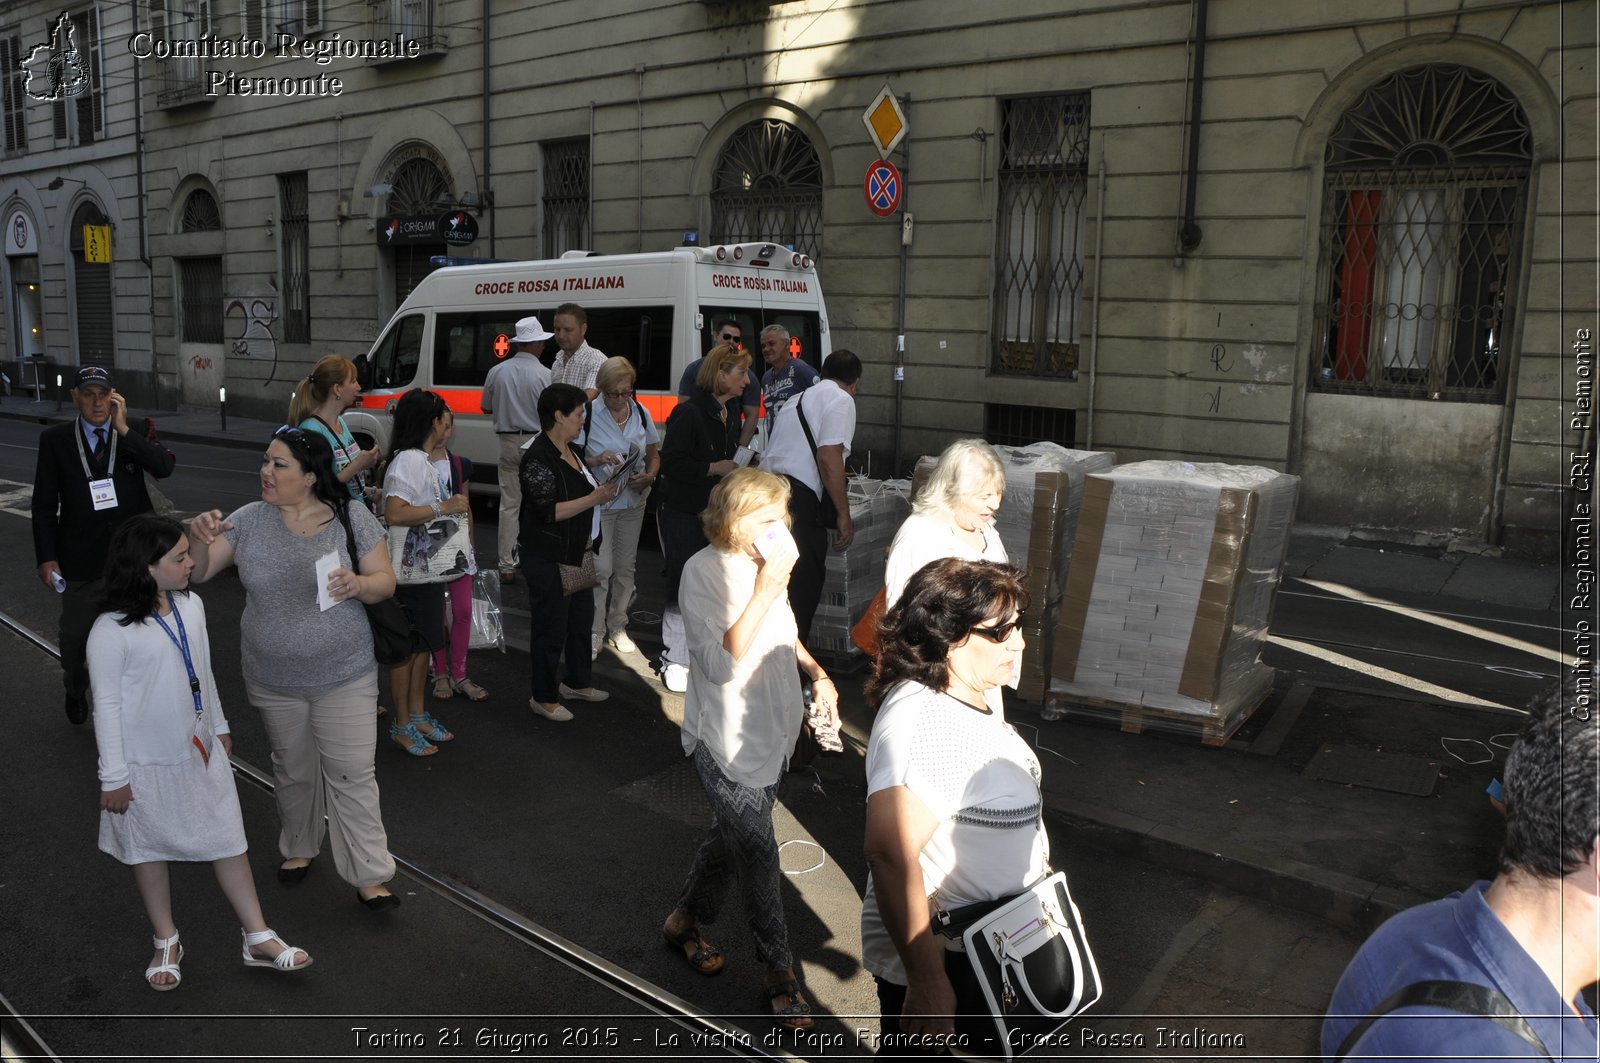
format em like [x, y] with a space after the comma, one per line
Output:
[905, 248]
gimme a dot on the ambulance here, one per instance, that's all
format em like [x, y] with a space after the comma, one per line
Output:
[657, 309]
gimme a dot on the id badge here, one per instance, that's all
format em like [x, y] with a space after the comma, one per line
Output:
[103, 493]
[200, 738]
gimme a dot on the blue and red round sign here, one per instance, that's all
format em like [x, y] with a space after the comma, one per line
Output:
[883, 187]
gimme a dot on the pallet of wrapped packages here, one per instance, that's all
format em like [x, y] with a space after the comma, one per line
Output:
[1169, 599]
[1037, 522]
[855, 574]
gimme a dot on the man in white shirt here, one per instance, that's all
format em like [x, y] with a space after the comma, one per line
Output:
[576, 362]
[511, 394]
[813, 462]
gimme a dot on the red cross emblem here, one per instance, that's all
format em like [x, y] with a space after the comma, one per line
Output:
[502, 346]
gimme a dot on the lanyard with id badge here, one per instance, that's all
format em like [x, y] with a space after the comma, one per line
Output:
[103, 493]
[201, 736]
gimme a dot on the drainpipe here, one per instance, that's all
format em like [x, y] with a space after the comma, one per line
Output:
[488, 132]
[1094, 325]
[1189, 235]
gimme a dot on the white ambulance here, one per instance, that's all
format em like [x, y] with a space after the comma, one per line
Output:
[659, 310]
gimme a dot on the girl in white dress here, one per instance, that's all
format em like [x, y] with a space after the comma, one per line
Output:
[166, 789]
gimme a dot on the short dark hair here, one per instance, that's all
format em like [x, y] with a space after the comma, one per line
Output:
[572, 310]
[558, 398]
[1552, 812]
[414, 415]
[139, 542]
[842, 365]
[314, 454]
[723, 322]
[943, 601]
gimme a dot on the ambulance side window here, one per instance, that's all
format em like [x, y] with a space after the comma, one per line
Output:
[394, 361]
[805, 334]
[465, 346]
[641, 334]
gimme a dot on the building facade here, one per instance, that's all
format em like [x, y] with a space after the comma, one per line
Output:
[1350, 246]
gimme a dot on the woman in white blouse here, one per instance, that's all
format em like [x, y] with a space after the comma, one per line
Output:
[952, 515]
[742, 714]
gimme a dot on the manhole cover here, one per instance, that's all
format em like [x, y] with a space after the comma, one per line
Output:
[675, 791]
[1375, 771]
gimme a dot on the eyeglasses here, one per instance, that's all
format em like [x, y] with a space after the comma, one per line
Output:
[620, 394]
[1000, 632]
[730, 337]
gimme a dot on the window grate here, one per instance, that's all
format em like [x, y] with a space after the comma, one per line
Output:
[1422, 215]
[1017, 426]
[295, 256]
[566, 196]
[768, 186]
[200, 213]
[1039, 245]
[200, 288]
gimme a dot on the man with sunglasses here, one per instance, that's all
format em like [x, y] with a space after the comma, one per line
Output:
[89, 479]
[728, 331]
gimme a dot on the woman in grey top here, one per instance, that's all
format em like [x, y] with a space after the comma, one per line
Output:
[308, 669]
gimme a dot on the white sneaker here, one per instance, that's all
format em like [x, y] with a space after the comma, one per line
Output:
[622, 643]
[675, 677]
[558, 713]
[589, 694]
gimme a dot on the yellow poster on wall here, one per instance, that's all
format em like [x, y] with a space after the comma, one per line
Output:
[97, 243]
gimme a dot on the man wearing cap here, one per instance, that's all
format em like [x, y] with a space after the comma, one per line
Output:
[576, 362]
[511, 395]
[89, 479]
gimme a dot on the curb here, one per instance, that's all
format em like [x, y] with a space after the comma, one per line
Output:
[177, 432]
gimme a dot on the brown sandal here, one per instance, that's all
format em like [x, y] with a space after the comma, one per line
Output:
[706, 959]
[470, 690]
[795, 1015]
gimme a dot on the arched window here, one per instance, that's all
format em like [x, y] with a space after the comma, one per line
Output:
[768, 186]
[200, 213]
[95, 319]
[419, 187]
[1425, 192]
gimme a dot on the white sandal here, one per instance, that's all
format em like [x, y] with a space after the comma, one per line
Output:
[283, 961]
[169, 964]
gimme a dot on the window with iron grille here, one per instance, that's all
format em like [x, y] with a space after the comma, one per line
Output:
[768, 186]
[200, 295]
[566, 196]
[78, 116]
[294, 257]
[200, 213]
[419, 186]
[13, 82]
[1017, 426]
[1039, 229]
[1424, 196]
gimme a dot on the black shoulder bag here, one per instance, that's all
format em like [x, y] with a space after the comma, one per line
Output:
[392, 635]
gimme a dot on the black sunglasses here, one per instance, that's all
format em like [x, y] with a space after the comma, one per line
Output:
[1000, 632]
[729, 337]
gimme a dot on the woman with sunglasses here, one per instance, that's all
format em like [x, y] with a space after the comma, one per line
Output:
[310, 670]
[953, 799]
[615, 429]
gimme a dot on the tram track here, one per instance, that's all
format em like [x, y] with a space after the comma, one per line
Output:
[710, 1035]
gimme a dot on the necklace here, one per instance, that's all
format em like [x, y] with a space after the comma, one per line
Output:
[983, 709]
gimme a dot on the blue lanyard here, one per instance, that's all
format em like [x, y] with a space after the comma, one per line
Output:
[181, 640]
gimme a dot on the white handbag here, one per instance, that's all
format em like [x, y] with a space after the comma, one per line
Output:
[1031, 958]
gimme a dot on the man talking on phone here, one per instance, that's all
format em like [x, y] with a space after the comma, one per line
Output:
[89, 479]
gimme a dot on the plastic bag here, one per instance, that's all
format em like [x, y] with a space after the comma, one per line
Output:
[488, 627]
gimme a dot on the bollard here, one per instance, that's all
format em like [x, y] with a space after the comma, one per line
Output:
[222, 405]
[58, 390]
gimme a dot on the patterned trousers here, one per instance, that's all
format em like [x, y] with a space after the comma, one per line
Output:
[740, 842]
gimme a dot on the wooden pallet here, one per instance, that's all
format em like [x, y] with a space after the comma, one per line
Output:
[1133, 719]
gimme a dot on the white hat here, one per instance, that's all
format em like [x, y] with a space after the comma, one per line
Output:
[530, 331]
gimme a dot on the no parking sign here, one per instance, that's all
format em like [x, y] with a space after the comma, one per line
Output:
[883, 187]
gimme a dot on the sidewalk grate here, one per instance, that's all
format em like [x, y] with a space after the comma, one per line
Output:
[1375, 771]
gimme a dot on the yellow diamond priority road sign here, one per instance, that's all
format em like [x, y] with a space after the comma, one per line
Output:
[885, 122]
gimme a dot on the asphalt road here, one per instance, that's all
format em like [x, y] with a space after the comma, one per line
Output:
[585, 829]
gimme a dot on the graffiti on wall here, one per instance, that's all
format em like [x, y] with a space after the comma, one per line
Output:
[249, 328]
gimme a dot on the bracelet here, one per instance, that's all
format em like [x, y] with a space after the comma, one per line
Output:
[822, 679]
[438, 509]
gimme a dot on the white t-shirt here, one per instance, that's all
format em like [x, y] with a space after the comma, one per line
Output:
[831, 413]
[981, 781]
[412, 478]
[924, 538]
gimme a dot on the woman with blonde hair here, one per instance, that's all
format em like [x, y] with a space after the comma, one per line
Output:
[702, 437]
[952, 515]
[741, 716]
[319, 401]
[616, 426]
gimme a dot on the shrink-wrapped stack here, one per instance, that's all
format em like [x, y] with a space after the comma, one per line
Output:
[1170, 596]
[1037, 522]
[855, 574]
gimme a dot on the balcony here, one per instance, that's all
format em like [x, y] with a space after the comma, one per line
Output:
[180, 83]
[410, 23]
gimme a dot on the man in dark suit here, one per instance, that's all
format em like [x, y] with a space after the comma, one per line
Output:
[90, 478]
